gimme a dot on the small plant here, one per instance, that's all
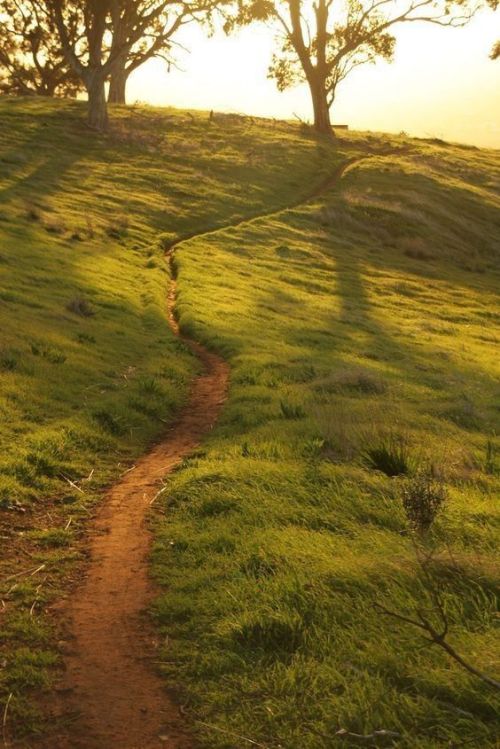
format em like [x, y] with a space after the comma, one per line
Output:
[108, 422]
[291, 410]
[390, 454]
[150, 386]
[423, 497]
[490, 457]
[8, 362]
[80, 306]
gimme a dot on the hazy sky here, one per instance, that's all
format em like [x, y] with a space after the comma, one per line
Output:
[441, 84]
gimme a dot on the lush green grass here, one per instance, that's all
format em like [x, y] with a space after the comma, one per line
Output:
[89, 370]
[361, 331]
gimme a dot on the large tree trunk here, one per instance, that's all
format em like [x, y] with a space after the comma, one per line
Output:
[118, 86]
[321, 109]
[97, 106]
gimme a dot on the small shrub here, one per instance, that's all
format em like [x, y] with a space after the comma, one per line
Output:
[390, 455]
[423, 497]
[80, 306]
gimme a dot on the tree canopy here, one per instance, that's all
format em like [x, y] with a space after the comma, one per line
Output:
[31, 57]
[322, 41]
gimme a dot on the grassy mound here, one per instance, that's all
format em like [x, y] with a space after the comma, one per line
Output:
[355, 465]
[89, 370]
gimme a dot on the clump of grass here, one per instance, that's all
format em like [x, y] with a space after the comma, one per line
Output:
[118, 227]
[490, 465]
[85, 338]
[355, 381]
[150, 386]
[8, 361]
[464, 413]
[423, 496]
[80, 306]
[291, 410]
[390, 454]
[53, 537]
[273, 634]
[46, 351]
[108, 422]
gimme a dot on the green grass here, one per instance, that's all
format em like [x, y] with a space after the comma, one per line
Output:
[360, 329]
[90, 373]
[361, 323]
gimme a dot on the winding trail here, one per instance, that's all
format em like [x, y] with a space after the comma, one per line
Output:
[111, 697]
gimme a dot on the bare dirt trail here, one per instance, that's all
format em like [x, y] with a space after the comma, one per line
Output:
[111, 697]
[110, 686]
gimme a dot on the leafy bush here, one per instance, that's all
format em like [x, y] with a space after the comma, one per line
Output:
[423, 497]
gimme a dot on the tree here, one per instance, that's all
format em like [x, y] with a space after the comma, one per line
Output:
[323, 41]
[158, 30]
[88, 64]
[99, 58]
[495, 52]
[155, 40]
[31, 59]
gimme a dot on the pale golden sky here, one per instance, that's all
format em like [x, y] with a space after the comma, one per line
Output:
[441, 84]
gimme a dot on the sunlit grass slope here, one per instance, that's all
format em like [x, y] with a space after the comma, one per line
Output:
[89, 370]
[363, 319]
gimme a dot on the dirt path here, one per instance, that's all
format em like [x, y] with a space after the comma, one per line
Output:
[111, 696]
[110, 687]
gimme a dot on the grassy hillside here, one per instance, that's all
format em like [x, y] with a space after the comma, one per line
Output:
[89, 370]
[361, 330]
